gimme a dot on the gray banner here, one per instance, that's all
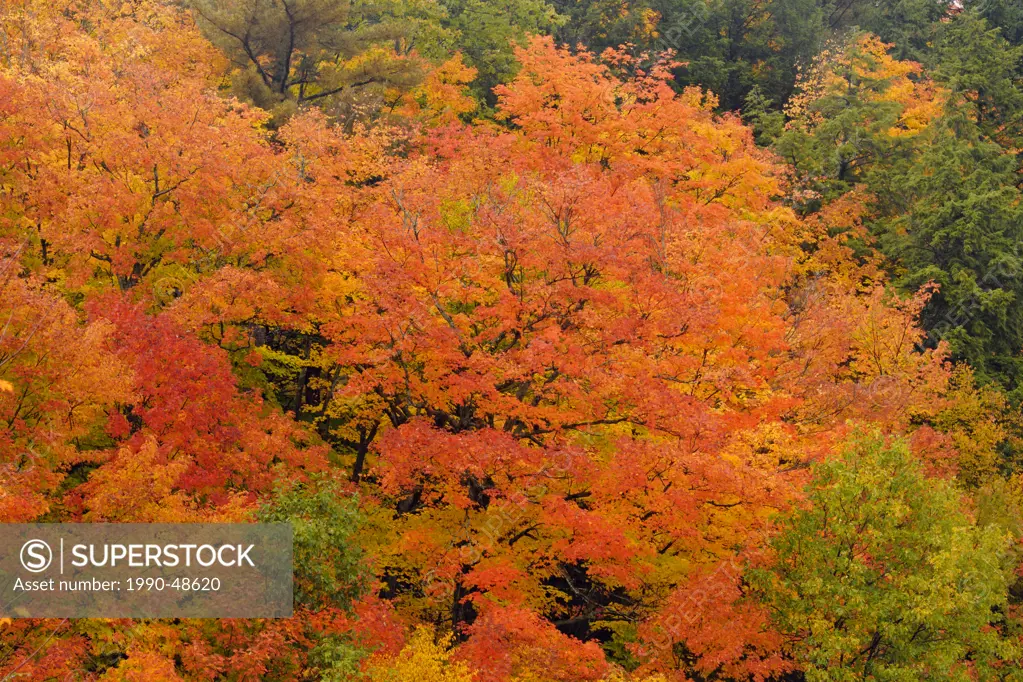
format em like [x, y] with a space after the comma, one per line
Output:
[135, 570]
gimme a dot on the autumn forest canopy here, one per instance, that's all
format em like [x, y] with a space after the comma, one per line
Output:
[578, 340]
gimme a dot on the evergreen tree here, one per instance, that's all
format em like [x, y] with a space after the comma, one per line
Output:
[985, 72]
[952, 214]
[1007, 15]
[963, 229]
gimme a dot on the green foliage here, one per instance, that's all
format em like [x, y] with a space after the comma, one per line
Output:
[329, 569]
[837, 138]
[341, 55]
[1007, 15]
[768, 124]
[908, 25]
[337, 659]
[956, 221]
[984, 73]
[951, 211]
[884, 577]
[729, 46]
[486, 32]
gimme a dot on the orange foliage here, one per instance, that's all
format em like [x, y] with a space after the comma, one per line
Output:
[575, 362]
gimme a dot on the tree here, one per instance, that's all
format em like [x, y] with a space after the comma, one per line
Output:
[533, 383]
[508, 369]
[422, 659]
[961, 229]
[123, 168]
[728, 47]
[951, 213]
[486, 33]
[329, 568]
[342, 55]
[908, 25]
[884, 576]
[983, 72]
[941, 189]
[206, 441]
[1004, 14]
[59, 378]
[856, 109]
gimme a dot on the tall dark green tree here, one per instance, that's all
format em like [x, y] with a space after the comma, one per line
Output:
[728, 46]
[1006, 15]
[908, 25]
[962, 228]
[985, 72]
[954, 214]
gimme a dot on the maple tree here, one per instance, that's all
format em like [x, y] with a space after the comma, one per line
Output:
[423, 659]
[60, 377]
[565, 393]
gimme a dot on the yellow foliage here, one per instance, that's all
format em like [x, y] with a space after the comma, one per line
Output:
[423, 660]
[974, 419]
[865, 67]
[143, 666]
[443, 95]
[618, 676]
[650, 20]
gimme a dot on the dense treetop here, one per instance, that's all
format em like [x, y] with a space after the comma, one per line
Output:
[582, 340]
